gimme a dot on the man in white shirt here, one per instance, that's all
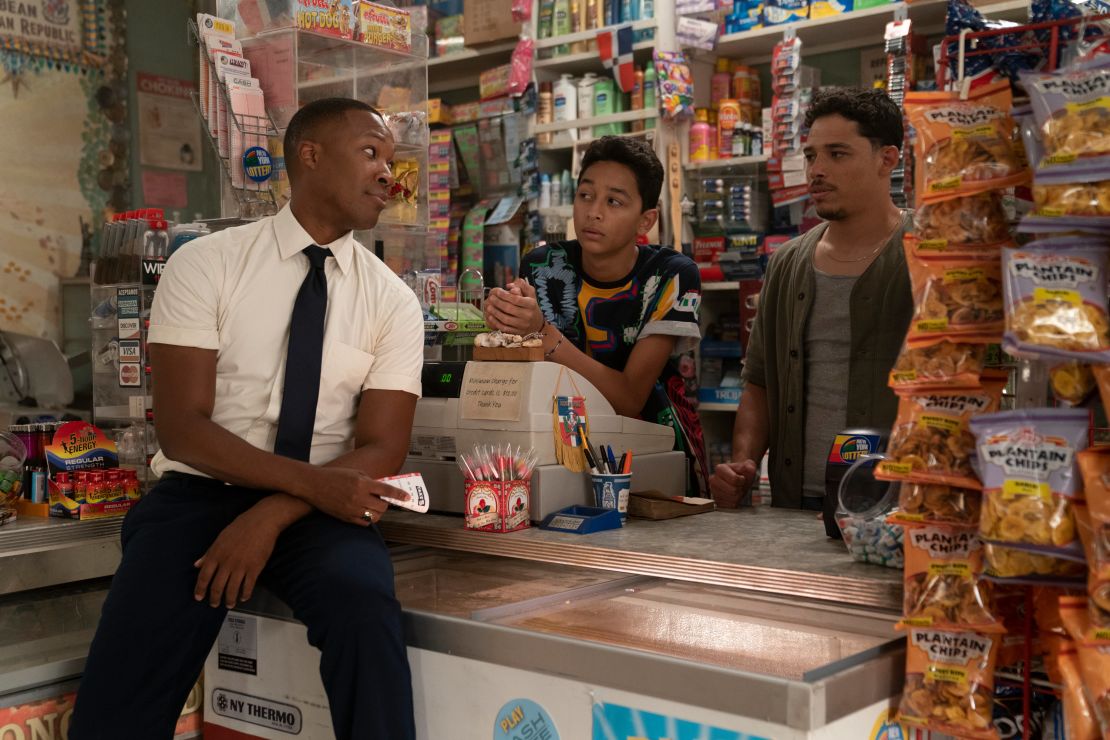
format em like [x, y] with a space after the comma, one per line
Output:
[286, 376]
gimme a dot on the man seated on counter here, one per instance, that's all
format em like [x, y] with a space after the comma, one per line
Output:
[614, 310]
[834, 309]
[286, 361]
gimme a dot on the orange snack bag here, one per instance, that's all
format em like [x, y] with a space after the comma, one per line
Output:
[938, 363]
[931, 441]
[941, 586]
[957, 299]
[950, 682]
[1094, 528]
[964, 147]
[1094, 660]
[1078, 717]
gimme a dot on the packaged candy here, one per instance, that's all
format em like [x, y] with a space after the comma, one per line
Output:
[950, 682]
[963, 147]
[1078, 717]
[932, 503]
[931, 440]
[938, 363]
[956, 298]
[873, 541]
[675, 84]
[1027, 461]
[1056, 299]
[521, 63]
[1072, 382]
[1072, 109]
[941, 586]
[1021, 566]
[970, 225]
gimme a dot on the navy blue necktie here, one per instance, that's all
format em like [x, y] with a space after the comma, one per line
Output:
[301, 390]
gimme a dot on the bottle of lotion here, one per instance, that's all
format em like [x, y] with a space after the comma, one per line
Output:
[544, 111]
[565, 100]
[586, 102]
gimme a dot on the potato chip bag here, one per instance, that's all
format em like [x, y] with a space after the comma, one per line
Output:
[1072, 109]
[941, 587]
[931, 441]
[964, 147]
[965, 226]
[1078, 717]
[950, 682]
[938, 363]
[956, 299]
[1055, 297]
[1027, 460]
[933, 503]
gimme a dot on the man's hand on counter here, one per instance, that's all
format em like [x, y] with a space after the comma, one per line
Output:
[730, 482]
[514, 309]
[347, 494]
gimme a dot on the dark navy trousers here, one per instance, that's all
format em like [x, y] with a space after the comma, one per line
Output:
[153, 636]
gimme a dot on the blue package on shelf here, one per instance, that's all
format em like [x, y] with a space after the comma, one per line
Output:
[777, 12]
[582, 520]
[736, 268]
[719, 395]
[717, 348]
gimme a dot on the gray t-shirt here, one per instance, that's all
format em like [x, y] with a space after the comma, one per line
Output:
[828, 349]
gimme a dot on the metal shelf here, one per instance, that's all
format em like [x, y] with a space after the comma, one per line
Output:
[853, 30]
[626, 116]
[461, 69]
[751, 163]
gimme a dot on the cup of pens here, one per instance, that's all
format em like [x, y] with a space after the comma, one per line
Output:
[497, 480]
[611, 478]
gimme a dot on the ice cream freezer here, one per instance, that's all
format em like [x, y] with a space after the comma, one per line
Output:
[656, 643]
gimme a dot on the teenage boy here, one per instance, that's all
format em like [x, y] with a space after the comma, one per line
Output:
[614, 311]
[287, 359]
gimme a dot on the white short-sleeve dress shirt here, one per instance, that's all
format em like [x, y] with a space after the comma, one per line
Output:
[233, 292]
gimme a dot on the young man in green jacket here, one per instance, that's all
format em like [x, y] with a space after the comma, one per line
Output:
[834, 309]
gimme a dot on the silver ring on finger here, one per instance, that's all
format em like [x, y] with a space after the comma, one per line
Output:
[368, 516]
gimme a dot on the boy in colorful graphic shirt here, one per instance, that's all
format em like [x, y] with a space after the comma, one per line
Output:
[616, 312]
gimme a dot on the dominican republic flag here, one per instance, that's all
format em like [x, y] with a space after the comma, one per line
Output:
[615, 49]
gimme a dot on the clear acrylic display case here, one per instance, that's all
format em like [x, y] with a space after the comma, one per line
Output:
[296, 67]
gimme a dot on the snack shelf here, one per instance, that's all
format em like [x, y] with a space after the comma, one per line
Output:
[856, 29]
[461, 69]
[626, 116]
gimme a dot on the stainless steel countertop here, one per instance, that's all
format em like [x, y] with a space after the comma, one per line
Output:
[777, 551]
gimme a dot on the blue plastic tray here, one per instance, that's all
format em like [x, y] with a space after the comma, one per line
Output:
[582, 520]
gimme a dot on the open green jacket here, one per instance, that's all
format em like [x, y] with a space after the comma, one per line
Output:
[881, 309]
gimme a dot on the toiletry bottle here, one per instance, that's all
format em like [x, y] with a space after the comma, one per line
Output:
[604, 92]
[638, 98]
[545, 190]
[720, 83]
[545, 111]
[649, 94]
[699, 136]
[586, 93]
[567, 186]
[565, 102]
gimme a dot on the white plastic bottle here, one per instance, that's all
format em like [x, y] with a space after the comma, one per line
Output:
[567, 186]
[565, 95]
[586, 101]
[545, 190]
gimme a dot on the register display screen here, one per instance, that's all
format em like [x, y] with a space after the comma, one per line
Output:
[442, 379]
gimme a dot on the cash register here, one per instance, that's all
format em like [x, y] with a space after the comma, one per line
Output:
[468, 403]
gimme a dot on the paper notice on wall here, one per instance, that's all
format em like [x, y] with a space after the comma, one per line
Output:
[169, 132]
[164, 189]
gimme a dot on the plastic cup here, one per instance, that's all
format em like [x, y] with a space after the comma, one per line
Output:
[611, 491]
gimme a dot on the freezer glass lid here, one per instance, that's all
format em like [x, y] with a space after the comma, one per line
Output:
[459, 584]
[715, 626]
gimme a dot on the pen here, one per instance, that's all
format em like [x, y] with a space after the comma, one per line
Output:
[612, 460]
[622, 463]
[628, 462]
[590, 459]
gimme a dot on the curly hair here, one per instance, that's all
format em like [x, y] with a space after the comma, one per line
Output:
[635, 154]
[877, 116]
